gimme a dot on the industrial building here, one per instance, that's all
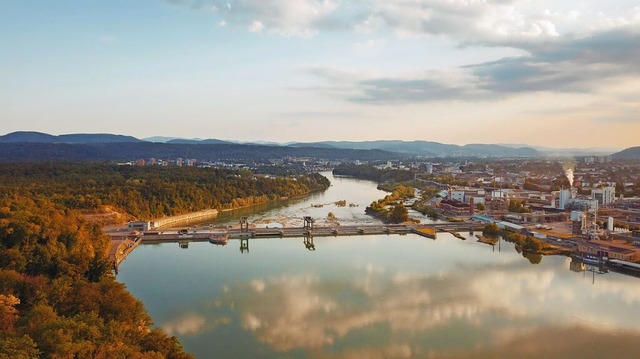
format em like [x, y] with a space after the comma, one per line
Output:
[604, 195]
[456, 208]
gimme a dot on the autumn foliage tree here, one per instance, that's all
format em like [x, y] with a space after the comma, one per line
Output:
[56, 297]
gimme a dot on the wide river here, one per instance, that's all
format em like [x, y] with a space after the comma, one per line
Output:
[378, 296]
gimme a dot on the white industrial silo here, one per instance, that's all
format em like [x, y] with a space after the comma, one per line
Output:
[565, 197]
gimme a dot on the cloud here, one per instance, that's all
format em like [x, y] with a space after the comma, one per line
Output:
[468, 19]
[605, 46]
[564, 64]
[301, 18]
[470, 22]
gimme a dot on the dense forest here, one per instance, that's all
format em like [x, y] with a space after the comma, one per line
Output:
[369, 172]
[150, 192]
[58, 298]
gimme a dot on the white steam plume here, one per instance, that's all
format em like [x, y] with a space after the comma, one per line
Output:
[568, 171]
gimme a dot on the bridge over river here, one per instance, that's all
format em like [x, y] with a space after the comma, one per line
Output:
[244, 232]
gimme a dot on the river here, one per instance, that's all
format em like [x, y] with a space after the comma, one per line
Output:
[378, 296]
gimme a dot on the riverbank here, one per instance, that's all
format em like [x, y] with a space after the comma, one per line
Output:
[169, 221]
[120, 249]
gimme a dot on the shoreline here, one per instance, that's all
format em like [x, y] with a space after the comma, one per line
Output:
[184, 218]
[172, 222]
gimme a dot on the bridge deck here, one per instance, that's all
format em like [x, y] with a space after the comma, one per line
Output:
[298, 232]
[328, 231]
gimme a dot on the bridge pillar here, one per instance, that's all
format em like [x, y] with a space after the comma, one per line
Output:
[308, 243]
[244, 245]
[308, 223]
[244, 225]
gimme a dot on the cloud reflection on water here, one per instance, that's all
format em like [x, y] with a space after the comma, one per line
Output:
[491, 306]
[192, 324]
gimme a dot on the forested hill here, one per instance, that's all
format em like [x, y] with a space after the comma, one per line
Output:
[150, 192]
[39, 137]
[127, 151]
[57, 297]
[632, 153]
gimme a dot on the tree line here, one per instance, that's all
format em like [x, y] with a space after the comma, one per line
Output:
[151, 192]
[123, 151]
[372, 173]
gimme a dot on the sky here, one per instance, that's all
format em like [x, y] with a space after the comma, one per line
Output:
[547, 73]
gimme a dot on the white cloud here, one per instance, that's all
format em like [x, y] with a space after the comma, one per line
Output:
[562, 64]
[285, 17]
[482, 22]
[628, 19]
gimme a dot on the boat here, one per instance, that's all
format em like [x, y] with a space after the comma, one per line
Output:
[220, 239]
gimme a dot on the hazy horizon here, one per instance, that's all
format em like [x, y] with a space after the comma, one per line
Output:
[542, 73]
[164, 139]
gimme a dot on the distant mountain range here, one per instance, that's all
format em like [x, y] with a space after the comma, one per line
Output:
[39, 137]
[29, 145]
[407, 148]
[428, 148]
[552, 151]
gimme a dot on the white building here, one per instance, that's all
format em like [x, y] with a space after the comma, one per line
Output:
[565, 196]
[140, 226]
[458, 196]
[429, 168]
[474, 196]
[604, 195]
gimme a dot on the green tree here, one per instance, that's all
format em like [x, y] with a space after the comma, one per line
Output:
[398, 214]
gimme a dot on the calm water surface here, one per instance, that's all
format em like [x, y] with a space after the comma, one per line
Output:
[379, 296]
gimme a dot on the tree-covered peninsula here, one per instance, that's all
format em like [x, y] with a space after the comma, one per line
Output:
[152, 192]
[58, 298]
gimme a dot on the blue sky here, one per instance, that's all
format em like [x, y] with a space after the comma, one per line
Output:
[467, 71]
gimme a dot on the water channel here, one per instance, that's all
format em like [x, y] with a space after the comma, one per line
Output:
[378, 296]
